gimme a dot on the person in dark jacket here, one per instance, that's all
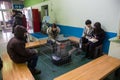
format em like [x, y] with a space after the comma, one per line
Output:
[97, 39]
[19, 19]
[18, 53]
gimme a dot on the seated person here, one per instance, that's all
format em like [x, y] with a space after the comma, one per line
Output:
[97, 39]
[87, 33]
[18, 53]
[53, 32]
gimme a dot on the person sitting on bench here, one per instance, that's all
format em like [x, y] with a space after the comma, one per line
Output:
[97, 39]
[53, 32]
[19, 54]
[87, 33]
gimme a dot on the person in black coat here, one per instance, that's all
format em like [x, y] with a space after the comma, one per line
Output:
[97, 39]
[19, 19]
[18, 53]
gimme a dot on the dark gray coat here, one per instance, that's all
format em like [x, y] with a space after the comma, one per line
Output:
[16, 47]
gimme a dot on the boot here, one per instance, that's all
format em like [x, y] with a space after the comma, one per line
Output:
[35, 71]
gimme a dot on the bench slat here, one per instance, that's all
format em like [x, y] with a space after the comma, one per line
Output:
[13, 71]
[97, 69]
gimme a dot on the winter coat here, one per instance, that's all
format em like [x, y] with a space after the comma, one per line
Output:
[16, 46]
[19, 19]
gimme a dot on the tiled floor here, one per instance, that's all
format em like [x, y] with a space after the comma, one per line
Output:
[4, 38]
[5, 35]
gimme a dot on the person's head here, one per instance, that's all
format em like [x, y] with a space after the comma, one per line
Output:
[14, 12]
[88, 23]
[20, 32]
[97, 27]
[54, 27]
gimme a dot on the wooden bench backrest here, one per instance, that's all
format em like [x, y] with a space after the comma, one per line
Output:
[13, 71]
[97, 69]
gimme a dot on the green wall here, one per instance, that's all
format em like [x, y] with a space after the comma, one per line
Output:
[28, 3]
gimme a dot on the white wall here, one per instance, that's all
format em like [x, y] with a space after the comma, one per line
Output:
[75, 12]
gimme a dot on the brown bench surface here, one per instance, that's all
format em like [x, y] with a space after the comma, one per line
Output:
[44, 41]
[97, 69]
[12, 71]
[36, 43]
[74, 39]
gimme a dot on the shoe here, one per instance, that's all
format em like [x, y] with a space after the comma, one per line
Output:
[35, 71]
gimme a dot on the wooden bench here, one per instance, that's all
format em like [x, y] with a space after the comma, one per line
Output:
[13, 71]
[44, 41]
[97, 69]
[36, 43]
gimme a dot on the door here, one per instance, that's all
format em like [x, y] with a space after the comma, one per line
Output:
[44, 11]
[36, 20]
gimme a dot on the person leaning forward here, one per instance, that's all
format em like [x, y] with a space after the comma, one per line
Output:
[19, 54]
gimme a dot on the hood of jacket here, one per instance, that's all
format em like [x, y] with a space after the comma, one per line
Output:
[19, 32]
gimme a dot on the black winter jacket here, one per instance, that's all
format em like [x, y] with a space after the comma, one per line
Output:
[16, 47]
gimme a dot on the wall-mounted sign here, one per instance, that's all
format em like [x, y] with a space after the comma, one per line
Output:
[18, 6]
